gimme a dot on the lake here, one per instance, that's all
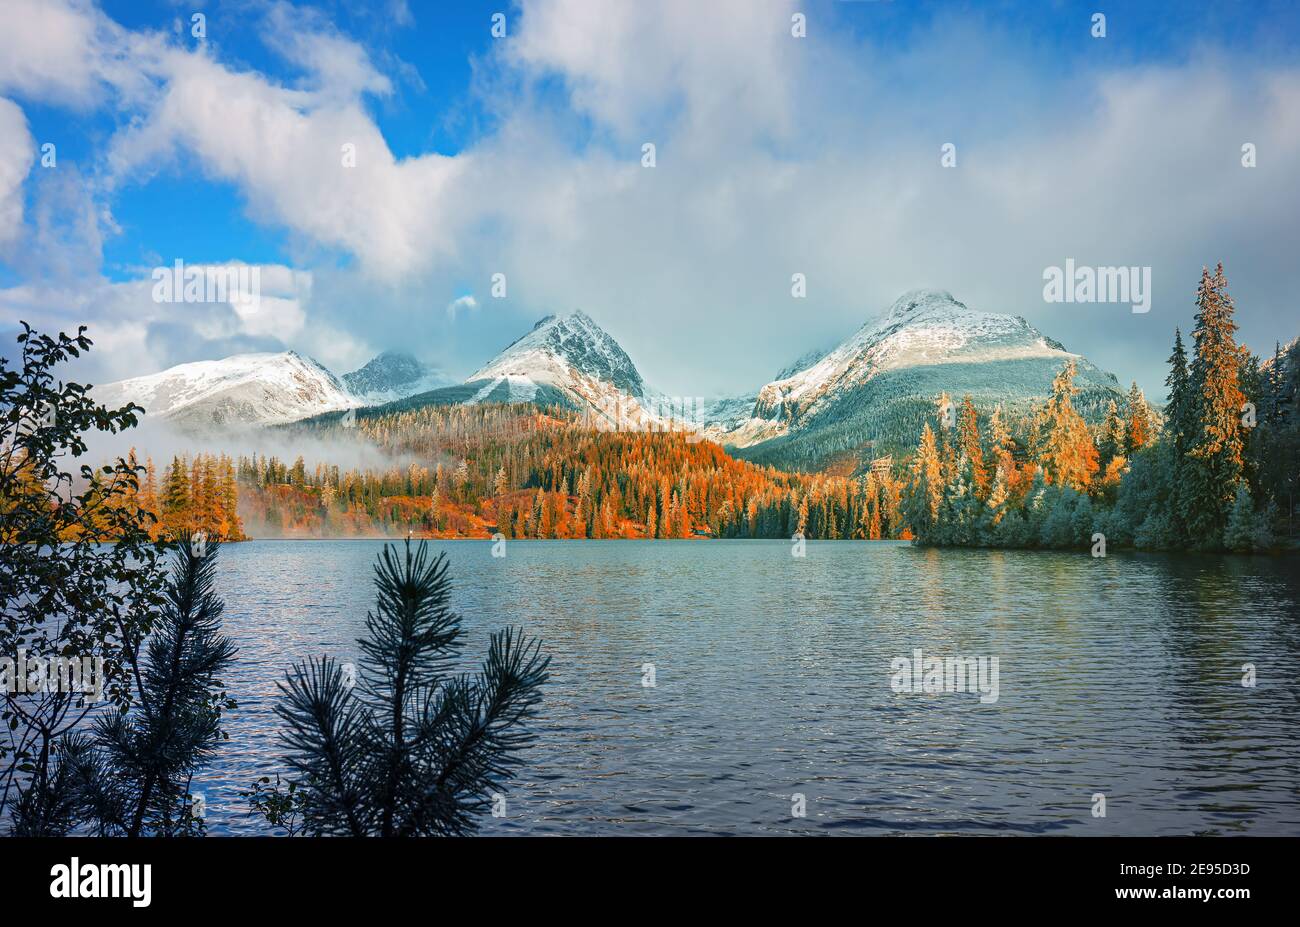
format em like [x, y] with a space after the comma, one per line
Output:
[1119, 676]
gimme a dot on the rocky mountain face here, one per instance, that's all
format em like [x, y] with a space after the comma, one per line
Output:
[392, 375]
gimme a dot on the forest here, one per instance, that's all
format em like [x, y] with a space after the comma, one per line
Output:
[479, 470]
[1216, 470]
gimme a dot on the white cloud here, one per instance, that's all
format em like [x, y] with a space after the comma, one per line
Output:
[337, 67]
[133, 331]
[17, 149]
[461, 304]
[68, 52]
[286, 150]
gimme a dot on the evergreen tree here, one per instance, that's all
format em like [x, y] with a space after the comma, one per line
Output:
[1247, 529]
[968, 443]
[1112, 443]
[411, 750]
[926, 489]
[1064, 448]
[1139, 431]
[140, 763]
[176, 499]
[1215, 455]
[1179, 410]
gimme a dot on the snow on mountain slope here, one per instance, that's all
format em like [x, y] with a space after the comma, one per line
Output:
[731, 419]
[392, 375]
[558, 348]
[575, 358]
[926, 343]
[246, 389]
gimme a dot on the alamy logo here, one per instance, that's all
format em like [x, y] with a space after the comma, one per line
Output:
[932, 675]
[26, 675]
[207, 283]
[106, 880]
[684, 414]
[1083, 284]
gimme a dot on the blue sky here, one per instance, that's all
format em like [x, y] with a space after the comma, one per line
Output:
[522, 155]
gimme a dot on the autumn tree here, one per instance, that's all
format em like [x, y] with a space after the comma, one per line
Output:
[926, 490]
[1215, 452]
[1063, 445]
[968, 442]
[1138, 432]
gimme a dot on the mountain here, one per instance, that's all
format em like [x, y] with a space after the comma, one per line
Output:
[866, 397]
[803, 363]
[246, 389]
[731, 419]
[392, 375]
[566, 353]
[872, 393]
[564, 360]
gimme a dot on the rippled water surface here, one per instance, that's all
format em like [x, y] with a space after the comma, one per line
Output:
[1120, 675]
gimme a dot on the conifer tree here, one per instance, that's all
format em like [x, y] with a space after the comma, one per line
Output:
[139, 764]
[176, 498]
[411, 749]
[926, 491]
[1215, 455]
[968, 443]
[1064, 448]
[1178, 410]
[1112, 438]
[1138, 431]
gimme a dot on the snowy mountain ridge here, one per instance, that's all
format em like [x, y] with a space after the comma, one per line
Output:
[559, 346]
[245, 389]
[873, 389]
[925, 343]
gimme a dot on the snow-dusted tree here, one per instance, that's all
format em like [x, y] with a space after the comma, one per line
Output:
[1062, 443]
[1140, 430]
[1215, 464]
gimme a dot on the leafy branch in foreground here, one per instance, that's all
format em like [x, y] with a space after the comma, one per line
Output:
[410, 749]
[78, 568]
[131, 775]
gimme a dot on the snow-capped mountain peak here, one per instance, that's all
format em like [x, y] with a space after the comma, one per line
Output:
[925, 343]
[573, 360]
[245, 389]
[559, 349]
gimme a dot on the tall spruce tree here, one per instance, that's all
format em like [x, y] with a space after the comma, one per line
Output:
[968, 439]
[1178, 409]
[1216, 451]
